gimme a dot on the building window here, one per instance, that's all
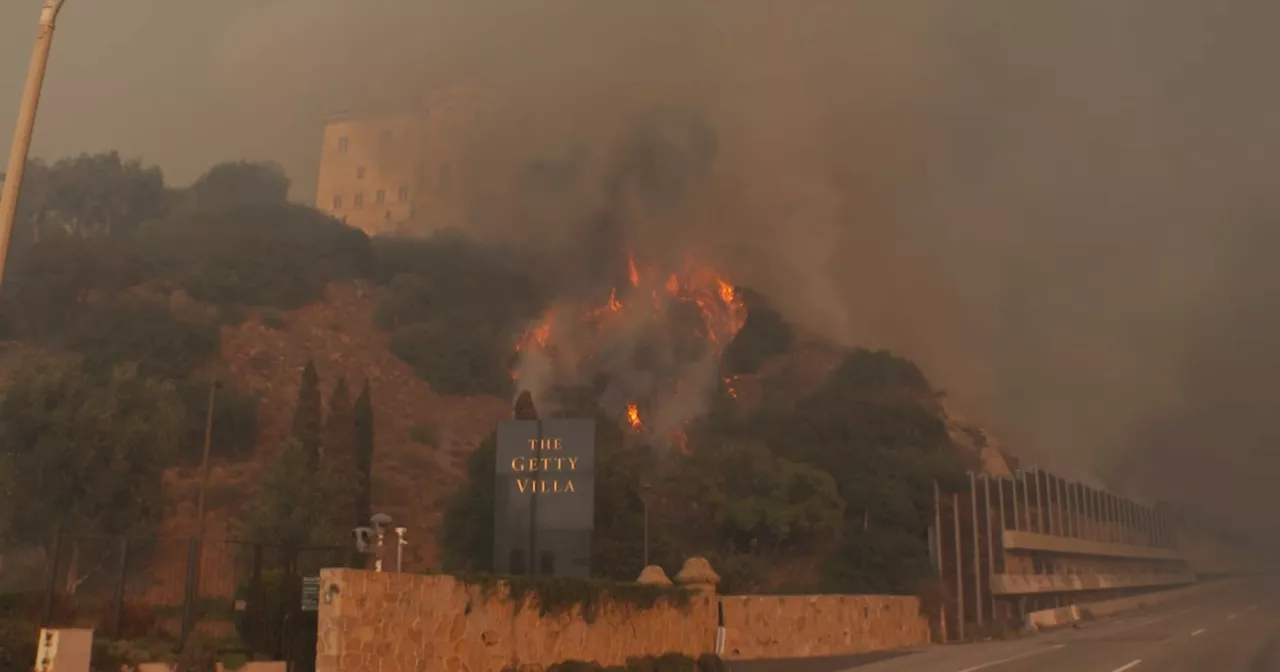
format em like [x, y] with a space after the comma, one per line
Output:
[403, 194]
[387, 138]
[380, 196]
[343, 143]
[443, 178]
[337, 202]
[360, 173]
[359, 199]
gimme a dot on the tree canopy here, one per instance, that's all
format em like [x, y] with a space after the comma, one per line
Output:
[90, 195]
[84, 453]
[242, 182]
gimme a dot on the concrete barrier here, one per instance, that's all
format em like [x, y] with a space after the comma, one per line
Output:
[1031, 584]
[1051, 618]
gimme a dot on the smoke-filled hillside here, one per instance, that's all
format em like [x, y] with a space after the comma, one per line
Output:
[341, 375]
[1047, 207]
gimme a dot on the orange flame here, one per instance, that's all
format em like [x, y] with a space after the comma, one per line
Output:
[537, 336]
[632, 273]
[729, 386]
[720, 305]
[673, 285]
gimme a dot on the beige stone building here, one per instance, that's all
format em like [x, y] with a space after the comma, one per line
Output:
[396, 173]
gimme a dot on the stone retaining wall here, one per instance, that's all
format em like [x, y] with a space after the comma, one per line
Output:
[805, 626]
[389, 622]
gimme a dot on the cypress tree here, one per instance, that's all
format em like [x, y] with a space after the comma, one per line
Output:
[307, 418]
[363, 442]
[340, 429]
[340, 450]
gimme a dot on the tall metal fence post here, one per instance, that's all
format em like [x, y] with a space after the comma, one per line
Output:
[975, 538]
[192, 590]
[937, 527]
[51, 587]
[122, 575]
[1042, 501]
[253, 603]
[955, 519]
[292, 607]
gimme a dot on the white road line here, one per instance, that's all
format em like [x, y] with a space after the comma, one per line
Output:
[1197, 632]
[1231, 617]
[1251, 607]
[1128, 666]
[1148, 621]
[1010, 659]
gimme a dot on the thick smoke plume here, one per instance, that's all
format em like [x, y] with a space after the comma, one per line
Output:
[651, 349]
[1042, 205]
[1050, 206]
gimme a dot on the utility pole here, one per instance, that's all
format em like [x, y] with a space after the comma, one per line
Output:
[26, 125]
[195, 551]
[204, 477]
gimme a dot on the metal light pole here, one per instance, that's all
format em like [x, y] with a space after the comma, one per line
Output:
[400, 544]
[204, 458]
[196, 548]
[204, 477]
[26, 125]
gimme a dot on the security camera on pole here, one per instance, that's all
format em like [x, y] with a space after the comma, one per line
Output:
[377, 533]
[26, 126]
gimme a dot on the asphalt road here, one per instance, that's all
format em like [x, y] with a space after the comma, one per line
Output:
[1236, 630]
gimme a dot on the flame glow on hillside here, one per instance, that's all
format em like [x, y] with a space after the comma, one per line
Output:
[654, 343]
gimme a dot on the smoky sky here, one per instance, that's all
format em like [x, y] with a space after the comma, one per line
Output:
[1063, 211]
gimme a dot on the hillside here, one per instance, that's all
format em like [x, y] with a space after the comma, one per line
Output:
[767, 448]
[423, 438]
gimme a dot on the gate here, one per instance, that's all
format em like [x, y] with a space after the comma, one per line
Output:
[243, 599]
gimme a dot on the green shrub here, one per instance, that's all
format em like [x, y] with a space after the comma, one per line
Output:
[259, 624]
[575, 666]
[272, 318]
[18, 644]
[453, 309]
[232, 314]
[763, 335]
[197, 655]
[242, 182]
[50, 280]
[142, 331]
[105, 657]
[668, 662]
[137, 620]
[257, 254]
[455, 358]
[424, 434]
[235, 422]
[561, 594]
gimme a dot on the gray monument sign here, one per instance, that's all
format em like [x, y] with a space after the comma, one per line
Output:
[544, 508]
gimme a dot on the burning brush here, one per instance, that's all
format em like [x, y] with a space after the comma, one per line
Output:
[652, 347]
